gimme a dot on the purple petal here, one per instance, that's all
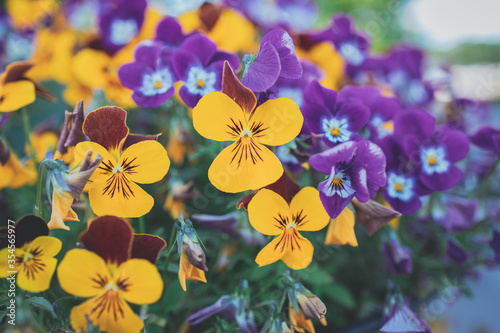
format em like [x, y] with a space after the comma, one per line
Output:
[283, 43]
[148, 52]
[201, 46]
[224, 307]
[403, 320]
[232, 58]
[188, 98]
[131, 74]
[264, 71]
[152, 101]
[324, 161]
[442, 181]
[335, 204]
[415, 122]
[487, 138]
[183, 61]
[314, 115]
[460, 214]
[356, 113]
[169, 31]
[404, 207]
[455, 141]
[456, 253]
[371, 158]
[316, 93]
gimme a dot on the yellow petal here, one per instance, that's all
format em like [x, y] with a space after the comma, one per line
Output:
[83, 273]
[23, 174]
[145, 162]
[341, 229]
[272, 252]
[144, 284]
[307, 206]
[6, 176]
[264, 211]
[38, 281]
[108, 311]
[244, 166]
[233, 32]
[61, 207]
[108, 161]
[120, 197]
[7, 254]
[90, 68]
[42, 143]
[280, 121]
[299, 250]
[215, 115]
[14, 95]
[188, 271]
[49, 246]
[298, 319]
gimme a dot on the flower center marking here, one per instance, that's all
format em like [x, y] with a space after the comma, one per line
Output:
[158, 85]
[200, 83]
[117, 168]
[398, 187]
[246, 132]
[432, 160]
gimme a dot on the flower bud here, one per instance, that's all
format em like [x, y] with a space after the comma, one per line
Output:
[194, 253]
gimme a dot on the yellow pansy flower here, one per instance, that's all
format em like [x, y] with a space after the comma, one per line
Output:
[116, 268]
[13, 173]
[271, 215]
[127, 159]
[33, 254]
[247, 164]
[329, 60]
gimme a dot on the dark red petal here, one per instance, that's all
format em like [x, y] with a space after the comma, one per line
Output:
[147, 247]
[209, 14]
[28, 228]
[232, 87]
[285, 187]
[243, 203]
[110, 237]
[16, 71]
[135, 138]
[106, 126]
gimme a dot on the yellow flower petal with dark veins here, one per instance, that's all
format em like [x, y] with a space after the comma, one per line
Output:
[272, 252]
[14, 95]
[145, 162]
[139, 281]
[117, 195]
[244, 165]
[299, 251]
[260, 216]
[279, 121]
[83, 273]
[38, 265]
[216, 115]
[308, 206]
[108, 311]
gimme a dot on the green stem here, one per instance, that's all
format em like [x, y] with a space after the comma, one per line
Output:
[27, 131]
[142, 225]
[39, 190]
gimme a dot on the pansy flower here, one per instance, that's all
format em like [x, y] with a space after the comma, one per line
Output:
[150, 76]
[336, 118]
[127, 159]
[169, 32]
[487, 138]
[231, 116]
[433, 149]
[271, 215]
[352, 44]
[30, 253]
[382, 108]
[276, 58]
[403, 190]
[352, 169]
[199, 65]
[115, 268]
[120, 22]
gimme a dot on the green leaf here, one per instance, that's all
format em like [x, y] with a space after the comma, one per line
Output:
[341, 295]
[43, 304]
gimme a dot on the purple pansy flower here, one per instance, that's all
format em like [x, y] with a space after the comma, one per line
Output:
[353, 169]
[276, 58]
[382, 108]
[150, 76]
[403, 320]
[294, 88]
[325, 114]
[403, 189]
[397, 258]
[199, 64]
[433, 149]
[119, 22]
[487, 138]
[495, 244]
[459, 214]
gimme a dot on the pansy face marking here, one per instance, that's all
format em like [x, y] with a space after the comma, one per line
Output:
[434, 160]
[338, 183]
[200, 81]
[336, 130]
[399, 187]
[352, 53]
[246, 148]
[123, 31]
[156, 83]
